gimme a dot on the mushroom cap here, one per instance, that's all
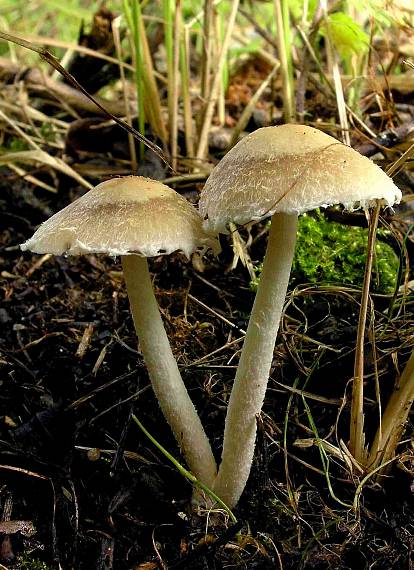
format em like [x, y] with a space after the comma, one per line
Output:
[128, 215]
[290, 169]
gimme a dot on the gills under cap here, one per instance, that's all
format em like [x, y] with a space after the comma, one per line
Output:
[290, 169]
[128, 215]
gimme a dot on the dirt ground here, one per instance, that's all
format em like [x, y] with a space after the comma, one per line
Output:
[97, 492]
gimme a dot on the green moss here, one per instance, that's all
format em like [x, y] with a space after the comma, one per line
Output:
[330, 252]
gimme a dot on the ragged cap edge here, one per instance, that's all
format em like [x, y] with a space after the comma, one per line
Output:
[268, 159]
[75, 247]
[65, 241]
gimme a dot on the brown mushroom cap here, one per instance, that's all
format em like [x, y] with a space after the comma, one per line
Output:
[290, 169]
[128, 215]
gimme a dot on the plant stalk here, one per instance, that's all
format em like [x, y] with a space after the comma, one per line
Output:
[168, 9]
[175, 85]
[208, 42]
[357, 436]
[395, 415]
[185, 91]
[146, 72]
[139, 71]
[284, 51]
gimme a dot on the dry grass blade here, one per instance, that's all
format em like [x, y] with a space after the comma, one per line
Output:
[53, 42]
[33, 156]
[153, 109]
[399, 405]
[69, 97]
[207, 48]
[221, 96]
[327, 80]
[175, 84]
[185, 90]
[118, 48]
[309, 395]
[24, 471]
[32, 179]
[357, 437]
[240, 252]
[396, 413]
[212, 100]
[51, 60]
[398, 164]
[215, 313]
[33, 114]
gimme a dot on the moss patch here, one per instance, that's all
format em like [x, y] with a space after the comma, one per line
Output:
[333, 253]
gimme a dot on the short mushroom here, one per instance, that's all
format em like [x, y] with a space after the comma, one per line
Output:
[136, 218]
[279, 172]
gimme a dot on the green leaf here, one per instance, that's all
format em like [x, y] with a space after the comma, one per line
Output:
[347, 35]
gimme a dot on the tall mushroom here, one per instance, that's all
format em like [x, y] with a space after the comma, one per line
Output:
[136, 218]
[279, 172]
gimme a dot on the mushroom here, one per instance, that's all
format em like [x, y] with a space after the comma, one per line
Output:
[277, 172]
[136, 218]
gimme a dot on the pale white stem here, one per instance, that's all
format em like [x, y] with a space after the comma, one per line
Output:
[250, 384]
[169, 388]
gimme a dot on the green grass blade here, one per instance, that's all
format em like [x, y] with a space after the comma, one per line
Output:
[184, 472]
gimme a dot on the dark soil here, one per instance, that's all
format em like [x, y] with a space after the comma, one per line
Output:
[97, 491]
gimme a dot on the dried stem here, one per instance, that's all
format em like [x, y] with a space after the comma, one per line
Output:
[357, 436]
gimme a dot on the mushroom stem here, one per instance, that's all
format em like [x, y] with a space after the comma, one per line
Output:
[169, 388]
[250, 384]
